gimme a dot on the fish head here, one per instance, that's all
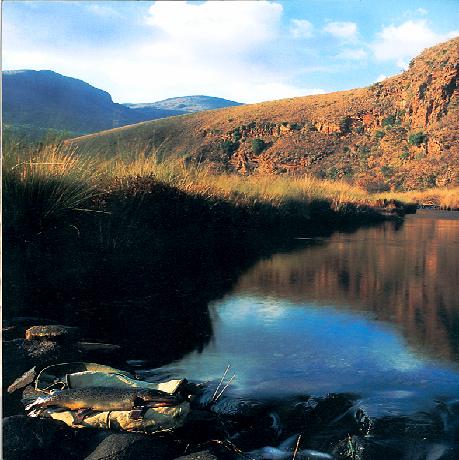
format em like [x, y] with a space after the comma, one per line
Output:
[154, 398]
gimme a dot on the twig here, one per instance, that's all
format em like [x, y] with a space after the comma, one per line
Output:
[296, 447]
[225, 387]
[221, 381]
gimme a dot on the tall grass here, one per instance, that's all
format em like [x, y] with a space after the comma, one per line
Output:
[41, 185]
[49, 185]
[444, 198]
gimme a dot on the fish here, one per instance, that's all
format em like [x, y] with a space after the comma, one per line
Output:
[104, 399]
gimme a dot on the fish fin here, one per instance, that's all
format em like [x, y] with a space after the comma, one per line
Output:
[37, 403]
[80, 415]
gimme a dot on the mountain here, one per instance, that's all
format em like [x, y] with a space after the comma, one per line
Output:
[41, 100]
[187, 104]
[402, 133]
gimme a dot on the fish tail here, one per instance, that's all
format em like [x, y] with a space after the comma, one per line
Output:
[39, 402]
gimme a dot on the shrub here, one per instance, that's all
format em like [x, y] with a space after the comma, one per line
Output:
[258, 145]
[229, 147]
[389, 121]
[345, 125]
[379, 134]
[405, 155]
[386, 171]
[237, 134]
[417, 138]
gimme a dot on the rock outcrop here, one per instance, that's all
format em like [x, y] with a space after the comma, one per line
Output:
[402, 133]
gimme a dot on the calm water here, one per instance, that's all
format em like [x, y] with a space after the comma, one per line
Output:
[374, 313]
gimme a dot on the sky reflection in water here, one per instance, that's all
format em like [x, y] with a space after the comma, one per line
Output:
[285, 330]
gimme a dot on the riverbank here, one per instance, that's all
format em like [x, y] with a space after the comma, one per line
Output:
[132, 253]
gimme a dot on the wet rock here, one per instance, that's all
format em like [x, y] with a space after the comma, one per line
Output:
[10, 332]
[200, 426]
[25, 437]
[133, 446]
[201, 455]
[102, 348]
[238, 407]
[19, 324]
[54, 332]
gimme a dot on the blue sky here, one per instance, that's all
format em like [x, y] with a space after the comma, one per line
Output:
[245, 51]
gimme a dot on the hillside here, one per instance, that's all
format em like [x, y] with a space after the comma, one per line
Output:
[44, 99]
[35, 101]
[187, 104]
[401, 133]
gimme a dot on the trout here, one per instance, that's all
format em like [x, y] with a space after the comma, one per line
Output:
[105, 399]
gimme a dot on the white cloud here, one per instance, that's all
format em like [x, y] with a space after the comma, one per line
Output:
[214, 48]
[352, 54]
[403, 42]
[381, 78]
[102, 10]
[343, 30]
[230, 26]
[301, 28]
[422, 11]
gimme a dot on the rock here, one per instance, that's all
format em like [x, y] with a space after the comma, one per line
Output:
[93, 347]
[200, 426]
[24, 380]
[20, 355]
[29, 438]
[17, 325]
[10, 332]
[201, 455]
[133, 446]
[54, 332]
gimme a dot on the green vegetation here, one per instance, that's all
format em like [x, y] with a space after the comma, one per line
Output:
[379, 134]
[229, 147]
[389, 121]
[258, 145]
[345, 125]
[417, 138]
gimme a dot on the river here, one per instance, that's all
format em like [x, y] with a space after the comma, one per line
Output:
[374, 313]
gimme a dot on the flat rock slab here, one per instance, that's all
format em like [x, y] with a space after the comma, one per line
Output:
[54, 332]
[133, 446]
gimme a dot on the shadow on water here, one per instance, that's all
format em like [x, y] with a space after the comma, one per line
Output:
[151, 299]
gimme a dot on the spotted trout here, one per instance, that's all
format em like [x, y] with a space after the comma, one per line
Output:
[105, 399]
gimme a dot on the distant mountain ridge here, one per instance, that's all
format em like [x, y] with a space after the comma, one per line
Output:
[188, 104]
[43, 99]
[402, 133]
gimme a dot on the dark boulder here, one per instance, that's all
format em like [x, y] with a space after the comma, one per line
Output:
[134, 446]
[25, 437]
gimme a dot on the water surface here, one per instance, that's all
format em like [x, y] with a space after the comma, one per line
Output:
[373, 313]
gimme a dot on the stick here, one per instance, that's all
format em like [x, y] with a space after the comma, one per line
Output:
[221, 381]
[296, 447]
[226, 386]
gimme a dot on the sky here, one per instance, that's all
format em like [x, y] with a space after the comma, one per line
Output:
[247, 51]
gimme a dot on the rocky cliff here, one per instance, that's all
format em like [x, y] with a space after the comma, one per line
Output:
[401, 133]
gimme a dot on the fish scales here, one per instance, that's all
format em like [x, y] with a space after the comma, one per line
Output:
[102, 399]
